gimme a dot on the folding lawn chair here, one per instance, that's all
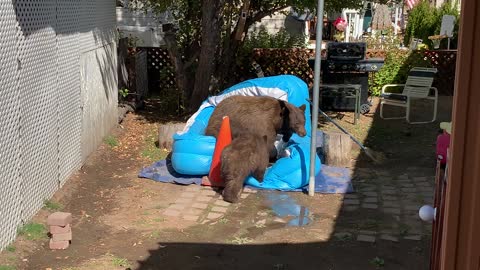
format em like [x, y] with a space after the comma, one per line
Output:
[418, 86]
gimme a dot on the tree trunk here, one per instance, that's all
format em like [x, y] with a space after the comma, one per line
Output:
[166, 132]
[230, 50]
[178, 65]
[229, 53]
[337, 148]
[226, 66]
[122, 67]
[209, 43]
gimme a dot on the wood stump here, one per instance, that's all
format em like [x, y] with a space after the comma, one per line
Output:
[337, 148]
[166, 132]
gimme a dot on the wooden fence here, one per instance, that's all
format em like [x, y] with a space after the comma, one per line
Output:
[291, 61]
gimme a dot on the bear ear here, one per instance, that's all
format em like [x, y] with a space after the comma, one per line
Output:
[303, 107]
[288, 107]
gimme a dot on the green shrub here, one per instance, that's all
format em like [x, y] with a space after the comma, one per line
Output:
[425, 20]
[387, 41]
[421, 23]
[264, 40]
[448, 9]
[396, 68]
[282, 39]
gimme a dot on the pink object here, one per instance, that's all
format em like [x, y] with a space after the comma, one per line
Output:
[60, 229]
[443, 142]
[59, 244]
[59, 219]
[62, 237]
[340, 24]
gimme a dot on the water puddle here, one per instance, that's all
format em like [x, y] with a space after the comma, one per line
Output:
[287, 208]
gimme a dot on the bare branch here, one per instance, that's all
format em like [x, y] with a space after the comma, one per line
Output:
[262, 14]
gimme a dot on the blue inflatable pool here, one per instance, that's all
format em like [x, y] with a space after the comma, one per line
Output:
[192, 150]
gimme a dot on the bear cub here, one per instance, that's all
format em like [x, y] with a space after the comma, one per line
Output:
[246, 155]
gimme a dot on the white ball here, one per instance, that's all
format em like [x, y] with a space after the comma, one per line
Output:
[427, 213]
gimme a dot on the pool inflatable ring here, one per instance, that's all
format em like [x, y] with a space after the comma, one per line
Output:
[192, 150]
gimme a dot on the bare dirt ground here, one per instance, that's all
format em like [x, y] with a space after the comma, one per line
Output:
[124, 222]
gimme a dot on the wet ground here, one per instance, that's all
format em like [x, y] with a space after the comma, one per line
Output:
[124, 222]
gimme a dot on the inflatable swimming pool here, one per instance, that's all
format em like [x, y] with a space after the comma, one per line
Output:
[192, 150]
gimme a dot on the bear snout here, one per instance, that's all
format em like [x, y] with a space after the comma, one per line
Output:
[302, 132]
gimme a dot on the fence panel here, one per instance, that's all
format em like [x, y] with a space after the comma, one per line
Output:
[295, 62]
[69, 99]
[96, 29]
[10, 183]
[161, 73]
[40, 97]
[39, 102]
[445, 61]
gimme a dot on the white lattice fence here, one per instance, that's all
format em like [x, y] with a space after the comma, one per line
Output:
[42, 48]
[70, 112]
[38, 87]
[10, 181]
[96, 29]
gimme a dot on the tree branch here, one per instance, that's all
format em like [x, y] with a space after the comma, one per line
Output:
[260, 15]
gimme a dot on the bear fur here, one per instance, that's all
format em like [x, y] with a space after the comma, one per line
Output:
[259, 115]
[246, 155]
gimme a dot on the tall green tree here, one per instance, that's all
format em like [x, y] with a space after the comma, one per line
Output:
[207, 35]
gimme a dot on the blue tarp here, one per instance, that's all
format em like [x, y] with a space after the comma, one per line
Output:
[329, 180]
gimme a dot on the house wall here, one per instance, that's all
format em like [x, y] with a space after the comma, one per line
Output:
[144, 27]
[439, 3]
[58, 92]
[273, 24]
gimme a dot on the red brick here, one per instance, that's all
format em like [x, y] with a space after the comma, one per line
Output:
[59, 244]
[60, 229]
[62, 237]
[59, 219]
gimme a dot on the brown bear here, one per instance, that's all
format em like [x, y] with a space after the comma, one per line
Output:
[260, 115]
[246, 155]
